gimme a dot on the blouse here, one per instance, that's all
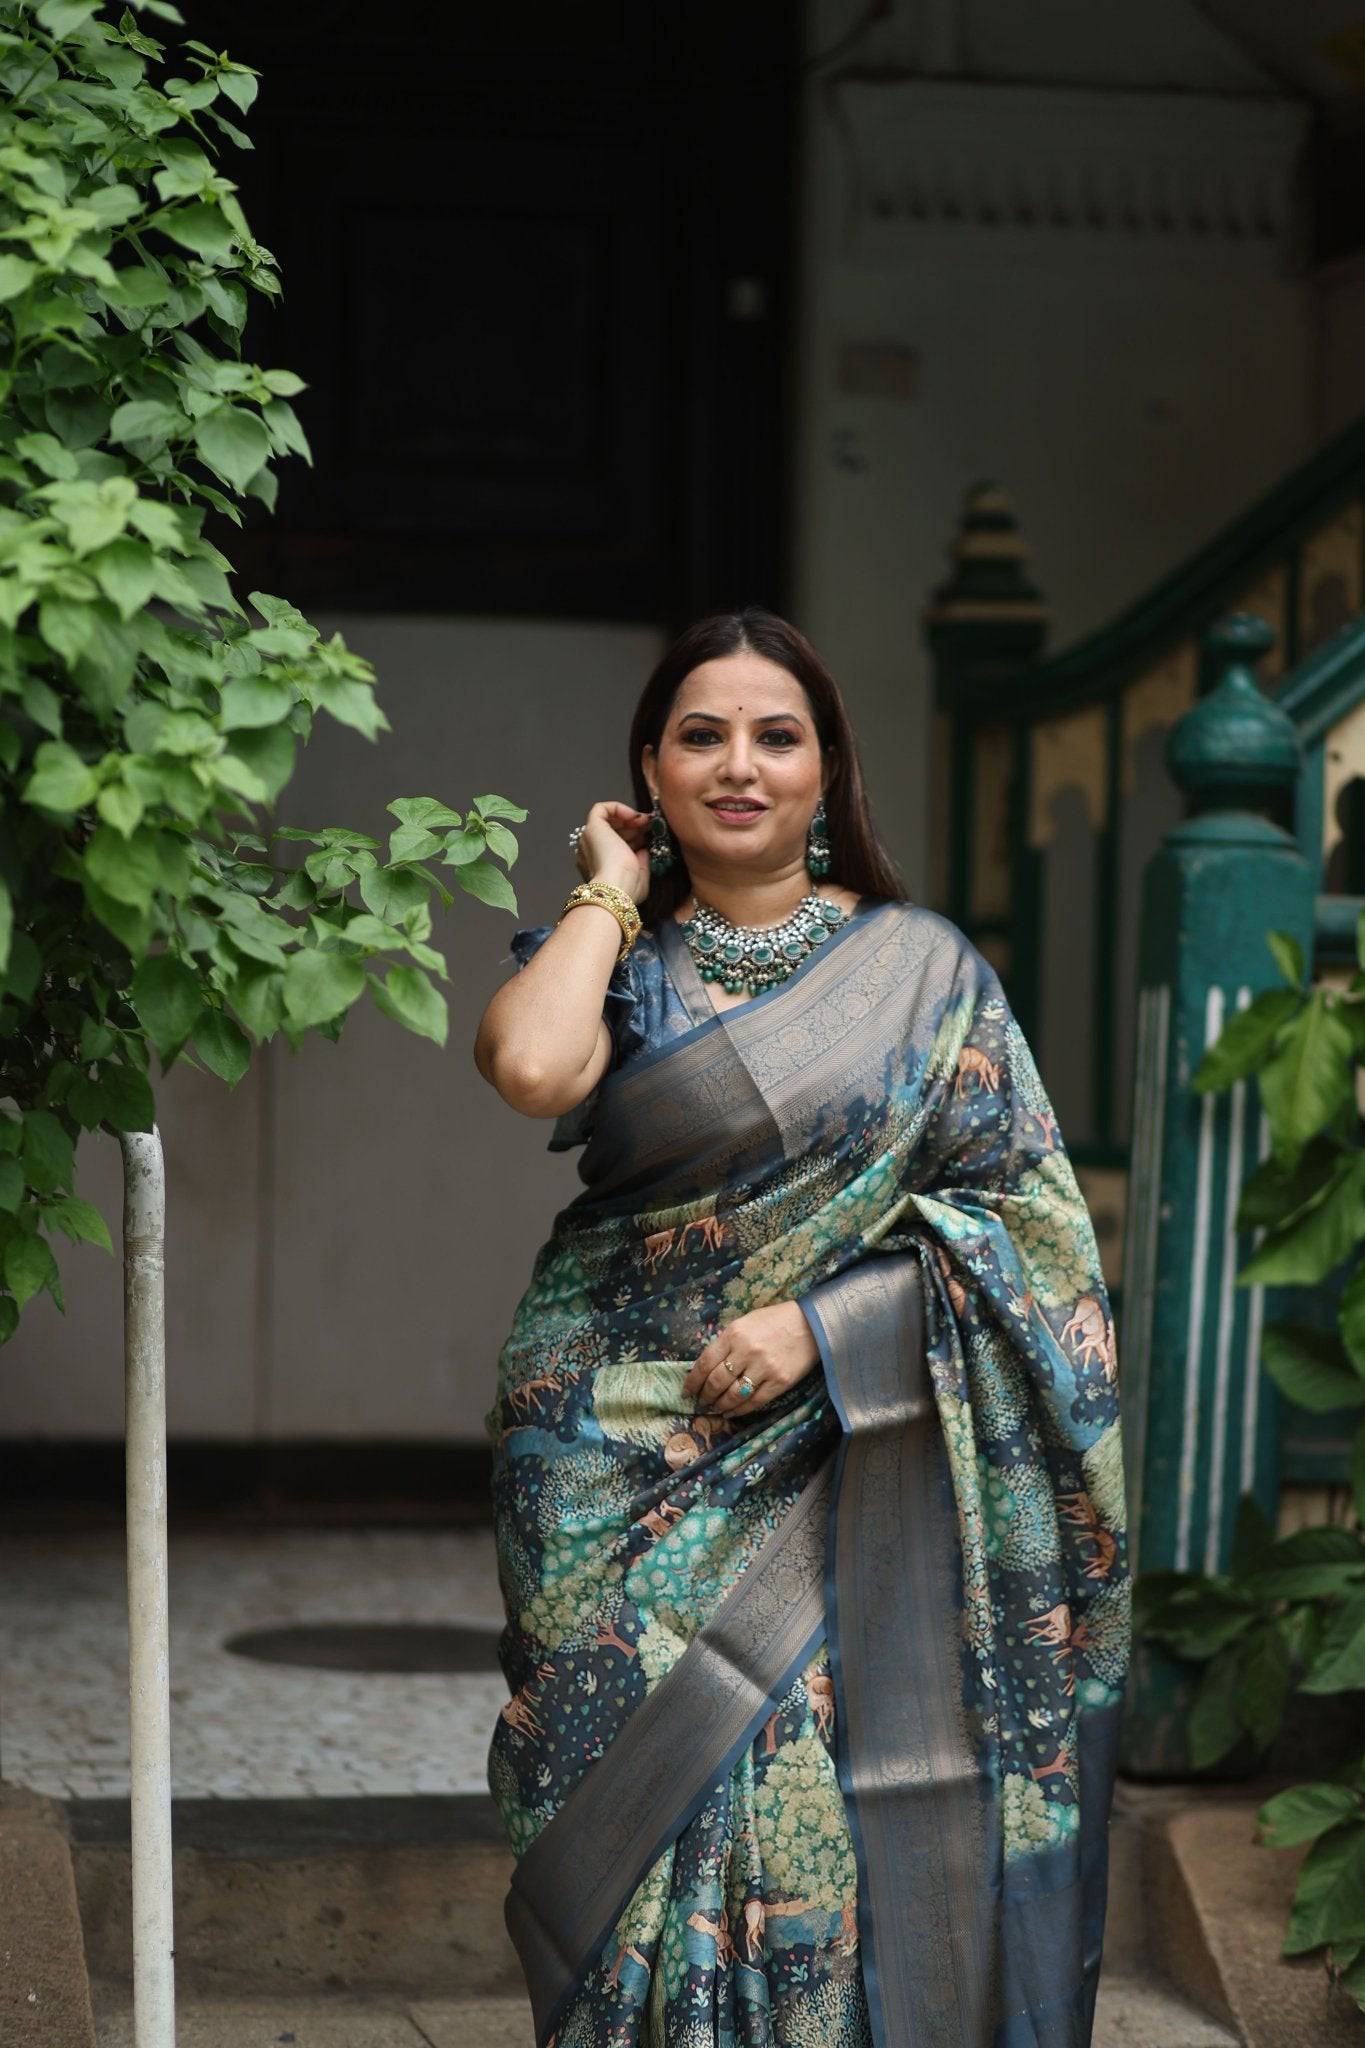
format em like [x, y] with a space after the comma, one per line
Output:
[641, 1010]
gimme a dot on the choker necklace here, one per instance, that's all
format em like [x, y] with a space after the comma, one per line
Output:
[758, 957]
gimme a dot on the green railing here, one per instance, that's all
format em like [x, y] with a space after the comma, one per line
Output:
[1052, 780]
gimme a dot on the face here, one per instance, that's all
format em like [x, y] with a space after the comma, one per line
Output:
[740, 727]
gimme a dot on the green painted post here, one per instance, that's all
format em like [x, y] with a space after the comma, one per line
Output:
[1200, 1418]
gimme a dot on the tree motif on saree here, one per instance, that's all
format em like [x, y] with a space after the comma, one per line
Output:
[813, 1712]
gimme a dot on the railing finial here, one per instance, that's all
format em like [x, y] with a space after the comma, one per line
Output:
[1236, 749]
[988, 614]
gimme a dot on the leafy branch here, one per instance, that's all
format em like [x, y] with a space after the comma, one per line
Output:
[148, 718]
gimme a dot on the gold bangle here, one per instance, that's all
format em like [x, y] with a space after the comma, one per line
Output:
[616, 901]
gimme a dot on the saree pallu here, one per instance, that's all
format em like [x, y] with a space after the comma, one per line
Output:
[813, 1711]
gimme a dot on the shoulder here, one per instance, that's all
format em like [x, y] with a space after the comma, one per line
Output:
[933, 939]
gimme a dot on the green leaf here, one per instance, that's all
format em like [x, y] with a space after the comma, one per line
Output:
[1274, 1196]
[1304, 1812]
[1351, 1317]
[201, 229]
[66, 627]
[48, 1154]
[125, 572]
[1329, 1899]
[1288, 955]
[147, 419]
[168, 997]
[46, 453]
[1200, 1618]
[1308, 1563]
[464, 846]
[15, 276]
[1309, 1249]
[1340, 1663]
[269, 754]
[1310, 1367]
[126, 869]
[392, 892]
[498, 807]
[406, 995]
[423, 810]
[503, 844]
[61, 781]
[1264, 1683]
[488, 883]
[120, 807]
[11, 1185]
[319, 986]
[28, 1266]
[1246, 1039]
[1215, 1726]
[1308, 1078]
[233, 443]
[254, 701]
[80, 1220]
[125, 1098]
[257, 995]
[223, 1046]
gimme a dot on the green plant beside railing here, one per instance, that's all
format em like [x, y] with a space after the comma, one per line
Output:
[144, 714]
[1289, 1614]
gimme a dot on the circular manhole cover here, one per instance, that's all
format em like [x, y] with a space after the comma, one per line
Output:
[371, 1646]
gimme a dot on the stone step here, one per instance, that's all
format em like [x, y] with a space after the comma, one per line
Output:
[1144, 2012]
[1131, 2013]
[348, 2022]
[309, 1897]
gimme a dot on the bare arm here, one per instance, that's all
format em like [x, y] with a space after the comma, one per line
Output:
[542, 1041]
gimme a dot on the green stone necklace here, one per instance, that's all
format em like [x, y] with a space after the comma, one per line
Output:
[758, 957]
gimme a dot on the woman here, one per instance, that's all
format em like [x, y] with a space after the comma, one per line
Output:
[807, 1471]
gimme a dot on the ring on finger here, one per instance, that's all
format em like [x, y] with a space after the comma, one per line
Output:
[745, 1388]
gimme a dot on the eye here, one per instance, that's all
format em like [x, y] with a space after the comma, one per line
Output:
[780, 732]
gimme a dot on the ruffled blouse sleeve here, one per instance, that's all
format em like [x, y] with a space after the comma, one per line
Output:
[623, 1014]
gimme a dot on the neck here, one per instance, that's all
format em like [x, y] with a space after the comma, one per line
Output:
[756, 900]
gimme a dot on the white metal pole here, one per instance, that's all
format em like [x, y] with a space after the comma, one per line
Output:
[149, 1659]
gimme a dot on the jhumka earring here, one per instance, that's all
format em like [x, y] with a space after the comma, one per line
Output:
[660, 841]
[817, 844]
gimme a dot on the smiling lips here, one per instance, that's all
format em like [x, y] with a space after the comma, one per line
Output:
[725, 807]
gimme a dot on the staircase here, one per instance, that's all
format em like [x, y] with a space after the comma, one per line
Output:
[377, 1923]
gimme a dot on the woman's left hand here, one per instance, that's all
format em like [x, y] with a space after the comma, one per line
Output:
[772, 1347]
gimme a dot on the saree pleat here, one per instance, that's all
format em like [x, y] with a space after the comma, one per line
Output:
[811, 1734]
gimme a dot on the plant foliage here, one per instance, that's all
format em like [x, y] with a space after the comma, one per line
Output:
[147, 717]
[1290, 1612]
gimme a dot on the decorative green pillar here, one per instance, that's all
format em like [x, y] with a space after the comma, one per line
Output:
[1200, 1417]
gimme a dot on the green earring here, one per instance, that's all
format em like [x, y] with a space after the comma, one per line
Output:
[817, 844]
[660, 842]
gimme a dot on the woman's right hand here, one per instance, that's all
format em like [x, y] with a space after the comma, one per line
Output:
[614, 848]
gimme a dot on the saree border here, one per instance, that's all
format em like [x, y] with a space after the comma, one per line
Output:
[917, 1799]
[571, 1884]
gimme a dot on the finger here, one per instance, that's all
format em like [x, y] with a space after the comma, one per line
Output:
[735, 1403]
[719, 1382]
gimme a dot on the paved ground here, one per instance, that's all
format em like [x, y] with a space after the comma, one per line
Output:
[241, 1728]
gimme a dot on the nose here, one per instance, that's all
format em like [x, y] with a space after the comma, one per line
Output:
[740, 765]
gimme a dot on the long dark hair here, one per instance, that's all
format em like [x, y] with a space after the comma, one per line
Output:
[858, 859]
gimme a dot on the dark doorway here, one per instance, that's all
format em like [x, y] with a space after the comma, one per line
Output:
[537, 272]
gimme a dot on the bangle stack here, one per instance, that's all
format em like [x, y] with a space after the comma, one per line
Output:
[616, 901]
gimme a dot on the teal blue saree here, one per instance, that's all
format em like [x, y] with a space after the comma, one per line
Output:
[812, 1714]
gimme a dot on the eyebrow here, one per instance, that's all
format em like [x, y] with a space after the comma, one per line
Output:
[766, 718]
